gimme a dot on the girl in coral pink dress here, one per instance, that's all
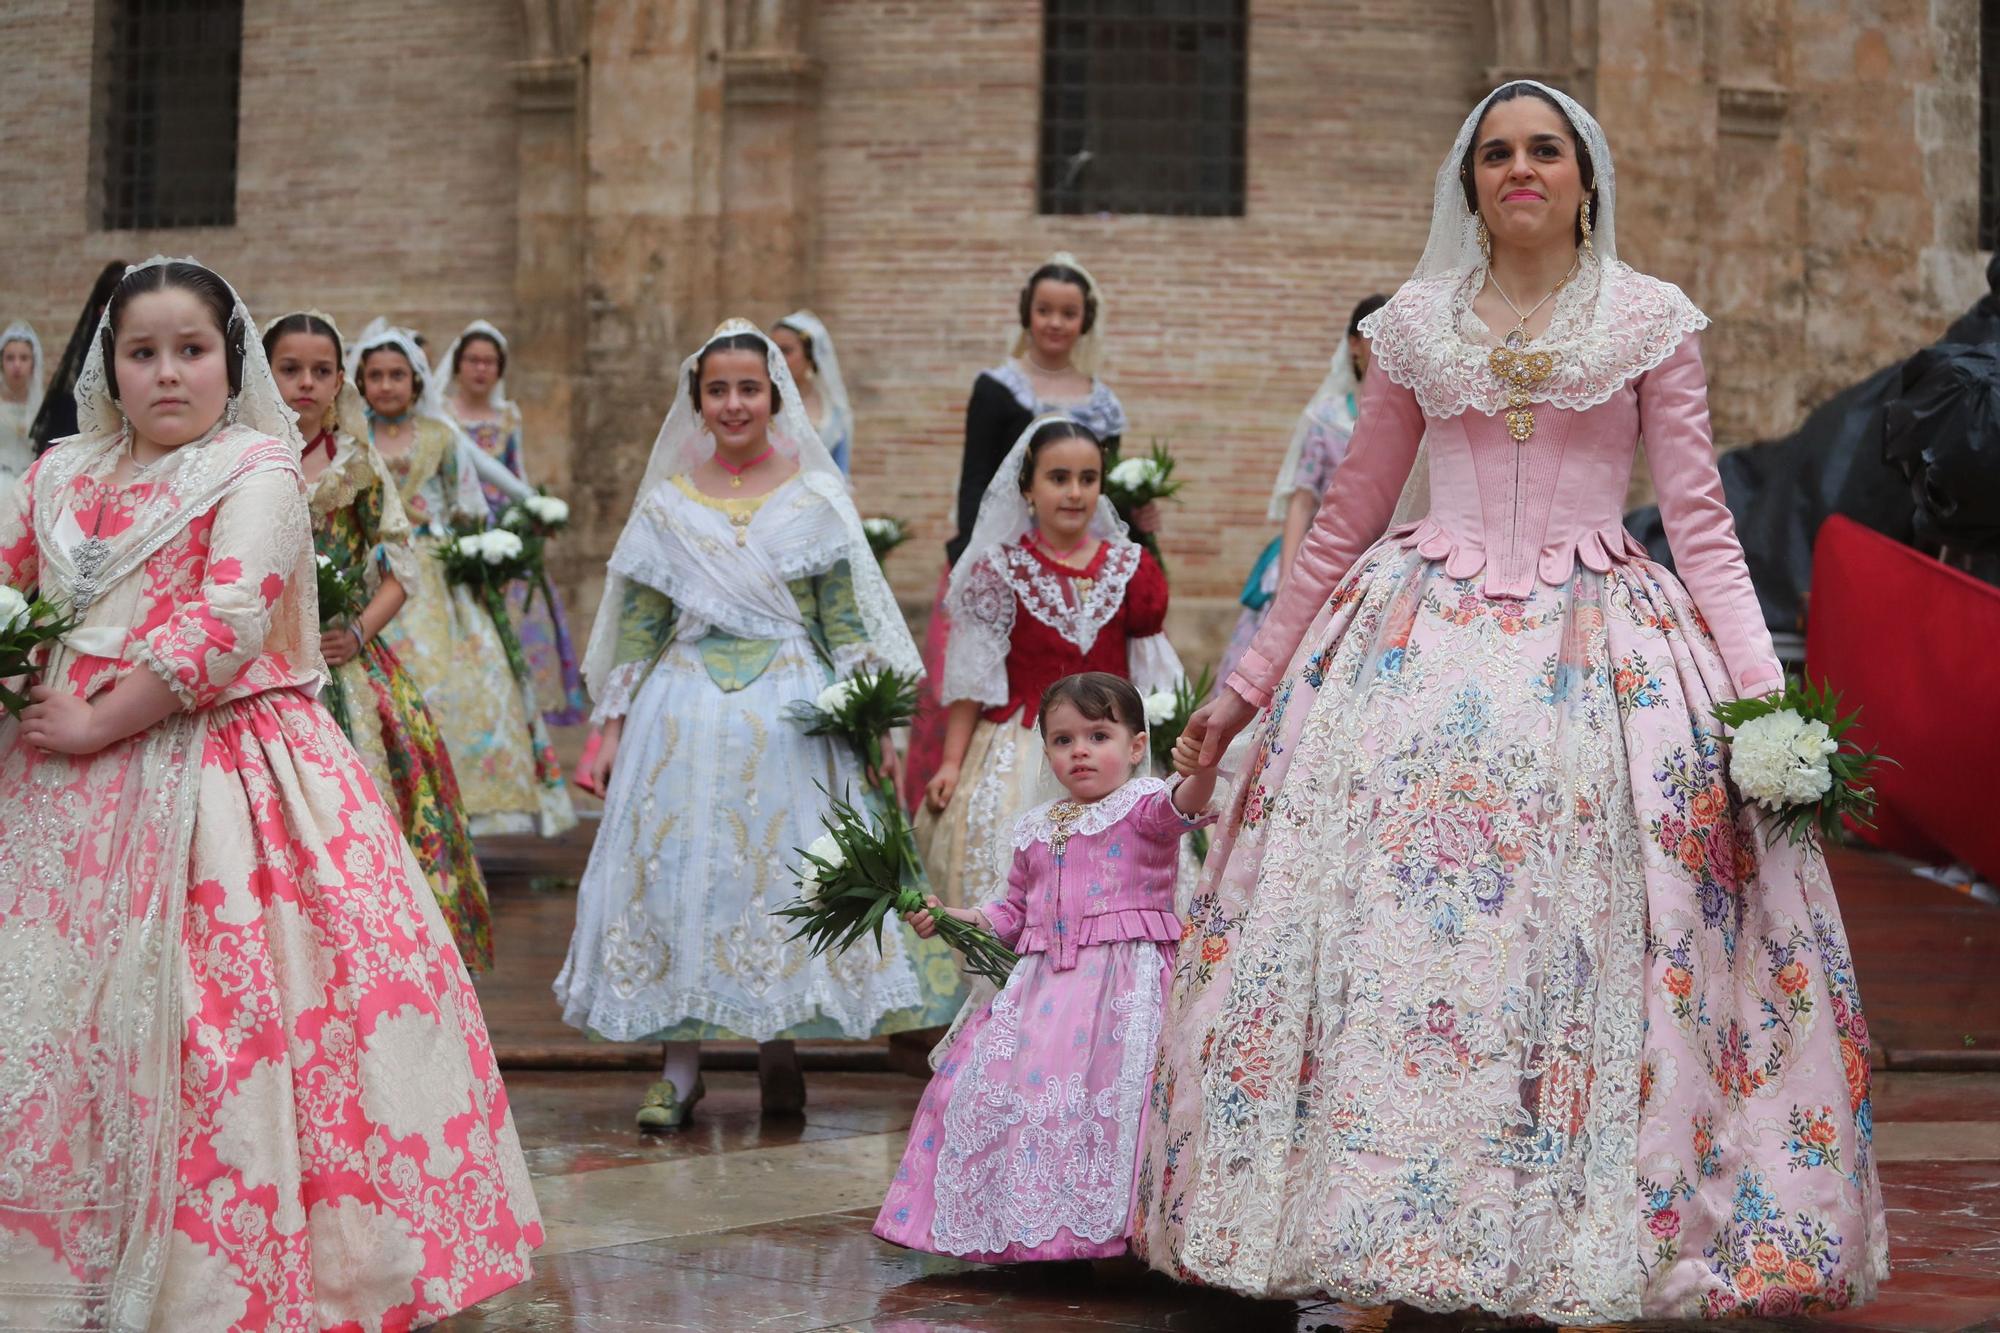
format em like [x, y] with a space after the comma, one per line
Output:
[1495, 994]
[1024, 1144]
[244, 1080]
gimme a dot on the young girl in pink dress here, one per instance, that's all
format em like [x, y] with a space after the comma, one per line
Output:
[244, 1081]
[1025, 1143]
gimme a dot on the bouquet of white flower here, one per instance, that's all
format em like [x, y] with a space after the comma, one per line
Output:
[1788, 754]
[25, 625]
[858, 872]
[1134, 483]
[884, 534]
[339, 593]
[861, 710]
[494, 557]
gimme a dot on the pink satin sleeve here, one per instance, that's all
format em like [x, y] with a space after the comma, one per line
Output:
[1680, 452]
[1352, 517]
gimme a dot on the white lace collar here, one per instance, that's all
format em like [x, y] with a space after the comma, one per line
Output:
[1101, 413]
[1611, 325]
[1036, 826]
[1048, 596]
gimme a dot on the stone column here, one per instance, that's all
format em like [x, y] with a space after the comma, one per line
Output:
[769, 161]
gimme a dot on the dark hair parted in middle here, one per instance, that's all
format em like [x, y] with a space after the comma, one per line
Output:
[1586, 169]
[210, 289]
[732, 342]
[1099, 696]
[1059, 273]
[416, 376]
[1048, 433]
[302, 322]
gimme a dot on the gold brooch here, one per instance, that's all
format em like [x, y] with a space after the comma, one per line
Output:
[1521, 372]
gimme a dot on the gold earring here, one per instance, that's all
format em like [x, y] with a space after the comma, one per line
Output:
[1583, 222]
[1484, 238]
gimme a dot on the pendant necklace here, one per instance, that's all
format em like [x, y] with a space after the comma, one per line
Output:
[1519, 370]
[736, 471]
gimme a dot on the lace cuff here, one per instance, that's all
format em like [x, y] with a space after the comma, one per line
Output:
[619, 688]
[166, 672]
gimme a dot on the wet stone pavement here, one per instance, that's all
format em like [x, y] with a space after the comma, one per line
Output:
[746, 1223]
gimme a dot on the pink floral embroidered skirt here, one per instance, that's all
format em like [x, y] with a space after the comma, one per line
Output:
[1494, 996]
[1024, 1145]
[346, 1159]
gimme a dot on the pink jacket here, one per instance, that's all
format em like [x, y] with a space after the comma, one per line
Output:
[1113, 881]
[1523, 513]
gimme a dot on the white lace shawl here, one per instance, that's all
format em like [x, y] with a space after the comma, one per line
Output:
[982, 629]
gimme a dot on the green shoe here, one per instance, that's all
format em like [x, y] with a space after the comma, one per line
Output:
[664, 1109]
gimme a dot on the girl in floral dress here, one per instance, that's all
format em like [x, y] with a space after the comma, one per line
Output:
[741, 584]
[1495, 994]
[358, 524]
[1025, 1143]
[475, 395]
[468, 664]
[247, 1085]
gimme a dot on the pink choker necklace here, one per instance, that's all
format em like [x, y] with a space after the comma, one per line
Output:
[736, 471]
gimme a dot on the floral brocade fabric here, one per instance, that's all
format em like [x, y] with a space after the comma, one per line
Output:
[1494, 996]
[383, 713]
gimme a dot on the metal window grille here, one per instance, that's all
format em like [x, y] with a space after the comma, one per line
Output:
[168, 73]
[1143, 106]
[1989, 124]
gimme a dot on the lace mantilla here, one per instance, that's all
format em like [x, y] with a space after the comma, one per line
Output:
[1039, 826]
[1611, 325]
[1101, 413]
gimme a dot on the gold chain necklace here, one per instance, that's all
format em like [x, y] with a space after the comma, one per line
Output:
[1522, 371]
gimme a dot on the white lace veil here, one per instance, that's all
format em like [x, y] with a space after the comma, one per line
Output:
[258, 404]
[684, 442]
[1005, 516]
[22, 331]
[1089, 349]
[381, 333]
[350, 413]
[826, 367]
[446, 363]
[1328, 408]
[1453, 245]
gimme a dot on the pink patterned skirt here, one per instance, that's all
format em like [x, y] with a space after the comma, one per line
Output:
[1494, 996]
[1024, 1145]
[345, 1159]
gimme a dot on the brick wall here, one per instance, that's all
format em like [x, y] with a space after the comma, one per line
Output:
[375, 169]
[1217, 329]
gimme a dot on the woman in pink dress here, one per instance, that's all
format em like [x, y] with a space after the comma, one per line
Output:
[1024, 1145]
[244, 1080]
[1495, 994]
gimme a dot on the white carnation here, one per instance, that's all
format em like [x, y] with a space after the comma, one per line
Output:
[322, 561]
[1134, 473]
[547, 509]
[471, 544]
[497, 546]
[1781, 759]
[835, 696]
[879, 527]
[13, 608]
[824, 848]
[1160, 707]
